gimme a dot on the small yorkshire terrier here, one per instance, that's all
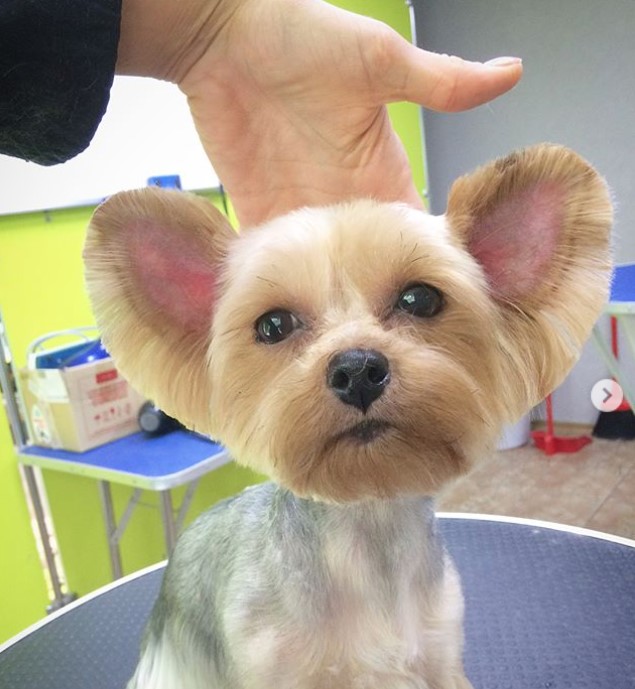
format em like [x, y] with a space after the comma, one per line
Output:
[360, 355]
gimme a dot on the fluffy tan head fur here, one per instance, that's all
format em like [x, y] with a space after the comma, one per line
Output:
[520, 259]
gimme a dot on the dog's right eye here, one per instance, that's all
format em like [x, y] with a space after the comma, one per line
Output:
[421, 300]
[275, 326]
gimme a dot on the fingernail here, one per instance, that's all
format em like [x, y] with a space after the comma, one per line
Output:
[504, 62]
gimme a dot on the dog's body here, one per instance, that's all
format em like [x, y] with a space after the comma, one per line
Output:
[361, 355]
[308, 596]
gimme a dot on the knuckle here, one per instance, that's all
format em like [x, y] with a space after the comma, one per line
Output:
[446, 92]
[381, 51]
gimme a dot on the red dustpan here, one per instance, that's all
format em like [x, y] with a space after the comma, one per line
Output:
[550, 443]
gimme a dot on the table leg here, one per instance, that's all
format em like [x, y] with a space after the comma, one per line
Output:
[185, 504]
[169, 527]
[628, 325]
[111, 528]
[36, 501]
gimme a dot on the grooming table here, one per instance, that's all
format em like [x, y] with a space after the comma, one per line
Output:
[622, 306]
[547, 607]
[141, 462]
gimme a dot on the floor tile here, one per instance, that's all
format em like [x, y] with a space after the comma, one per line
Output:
[616, 515]
[593, 488]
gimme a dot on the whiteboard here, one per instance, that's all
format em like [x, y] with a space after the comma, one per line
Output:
[147, 131]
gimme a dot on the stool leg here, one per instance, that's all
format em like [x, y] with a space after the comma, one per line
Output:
[111, 528]
[169, 527]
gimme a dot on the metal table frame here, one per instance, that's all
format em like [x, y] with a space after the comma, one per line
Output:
[92, 464]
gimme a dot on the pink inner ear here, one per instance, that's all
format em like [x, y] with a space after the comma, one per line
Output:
[172, 275]
[517, 240]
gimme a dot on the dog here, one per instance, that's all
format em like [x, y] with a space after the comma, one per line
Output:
[361, 356]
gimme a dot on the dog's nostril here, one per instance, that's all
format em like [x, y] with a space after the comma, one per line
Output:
[377, 375]
[358, 376]
[340, 380]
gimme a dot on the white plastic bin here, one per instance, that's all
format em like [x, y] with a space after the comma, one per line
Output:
[516, 435]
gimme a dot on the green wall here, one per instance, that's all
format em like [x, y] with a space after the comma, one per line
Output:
[41, 290]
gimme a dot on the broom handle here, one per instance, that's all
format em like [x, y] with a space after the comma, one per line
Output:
[549, 415]
[614, 348]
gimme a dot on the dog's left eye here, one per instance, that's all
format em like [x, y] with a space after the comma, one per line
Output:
[422, 300]
[275, 326]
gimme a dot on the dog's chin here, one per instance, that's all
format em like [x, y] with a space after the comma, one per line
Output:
[373, 459]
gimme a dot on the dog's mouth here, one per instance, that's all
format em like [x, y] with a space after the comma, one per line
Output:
[364, 432]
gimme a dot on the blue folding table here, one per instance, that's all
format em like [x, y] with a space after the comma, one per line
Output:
[141, 462]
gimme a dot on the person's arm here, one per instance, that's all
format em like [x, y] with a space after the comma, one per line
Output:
[57, 61]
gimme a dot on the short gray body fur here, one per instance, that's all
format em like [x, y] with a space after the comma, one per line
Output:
[267, 566]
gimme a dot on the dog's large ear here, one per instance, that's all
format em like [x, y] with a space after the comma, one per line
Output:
[153, 262]
[538, 222]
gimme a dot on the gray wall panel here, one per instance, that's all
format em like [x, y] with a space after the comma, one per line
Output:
[578, 89]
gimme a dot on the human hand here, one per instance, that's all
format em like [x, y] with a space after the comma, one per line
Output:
[288, 97]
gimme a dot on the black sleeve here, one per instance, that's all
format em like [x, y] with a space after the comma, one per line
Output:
[57, 63]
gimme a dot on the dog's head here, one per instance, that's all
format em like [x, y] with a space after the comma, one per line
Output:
[362, 349]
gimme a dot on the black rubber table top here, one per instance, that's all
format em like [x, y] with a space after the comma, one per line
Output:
[545, 609]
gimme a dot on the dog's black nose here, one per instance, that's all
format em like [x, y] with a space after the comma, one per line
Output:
[358, 376]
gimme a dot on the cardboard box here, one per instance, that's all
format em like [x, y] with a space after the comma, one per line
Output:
[79, 407]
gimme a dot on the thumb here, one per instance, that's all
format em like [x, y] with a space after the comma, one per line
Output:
[448, 83]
